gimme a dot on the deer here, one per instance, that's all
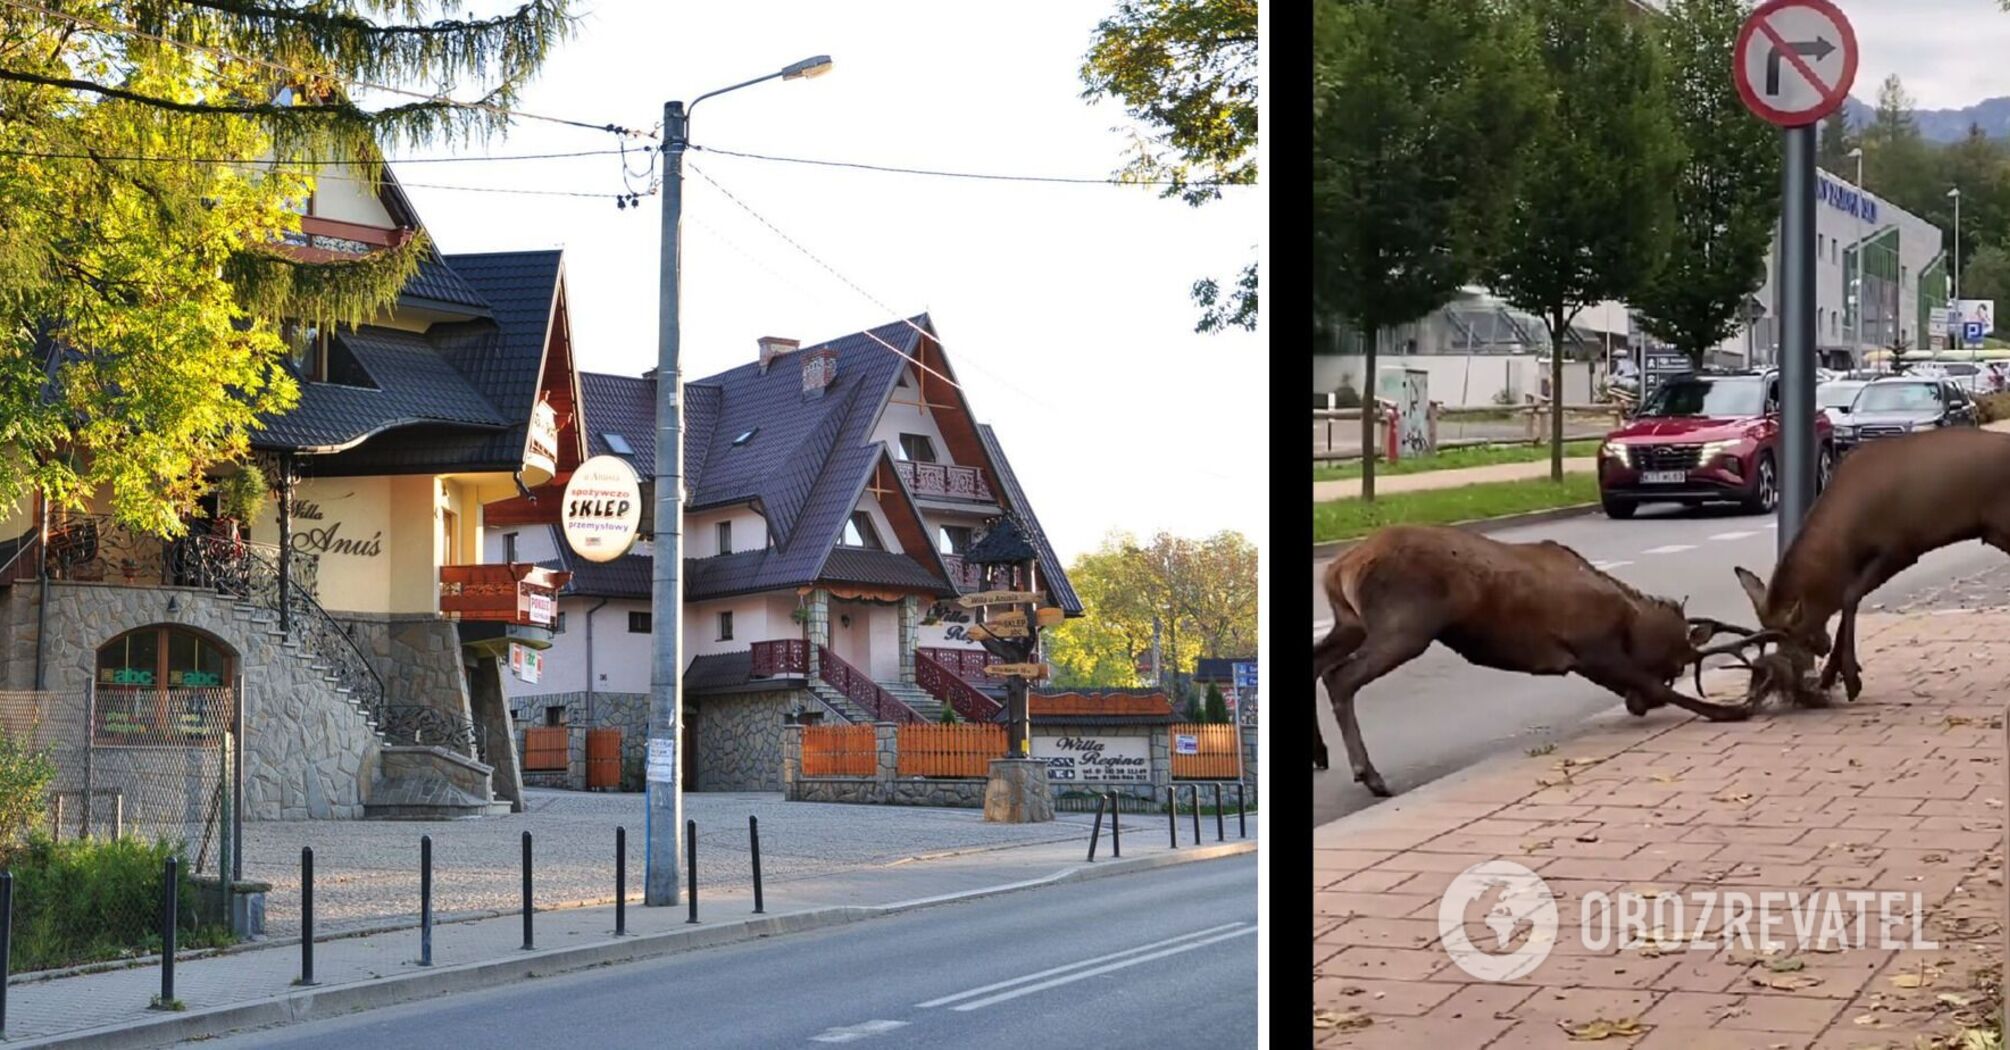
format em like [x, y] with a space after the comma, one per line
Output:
[1887, 504]
[1538, 608]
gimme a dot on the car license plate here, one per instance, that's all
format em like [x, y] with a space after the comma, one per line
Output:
[1664, 477]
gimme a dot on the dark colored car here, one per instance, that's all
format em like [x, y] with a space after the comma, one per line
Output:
[1709, 437]
[1898, 405]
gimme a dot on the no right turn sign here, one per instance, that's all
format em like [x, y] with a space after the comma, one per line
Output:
[1795, 61]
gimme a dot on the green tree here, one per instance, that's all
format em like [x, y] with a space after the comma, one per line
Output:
[141, 299]
[1420, 111]
[1727, 193]
[1592, 218]
[1216, 711]
[1986, 274]
[1186, 70]
[1837, 140]
[1201, 593]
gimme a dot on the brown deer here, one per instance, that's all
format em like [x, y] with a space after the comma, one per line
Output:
[1533, 607]
[1888, 503]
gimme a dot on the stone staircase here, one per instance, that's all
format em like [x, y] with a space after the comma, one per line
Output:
[926, 706]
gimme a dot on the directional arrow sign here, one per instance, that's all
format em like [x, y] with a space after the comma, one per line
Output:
[981, 598]
[1795, 61]
[1022, 670]
[1050, 617]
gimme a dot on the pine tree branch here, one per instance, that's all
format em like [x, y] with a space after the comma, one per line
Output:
[354, 24]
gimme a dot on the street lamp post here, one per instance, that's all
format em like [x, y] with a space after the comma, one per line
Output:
[1954, 331]
[664, 827]
[1856, 288]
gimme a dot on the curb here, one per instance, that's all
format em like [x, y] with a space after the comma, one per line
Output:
[318, 1004]
[1322, 551]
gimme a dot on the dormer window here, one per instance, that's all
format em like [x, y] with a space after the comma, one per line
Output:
[617, 444]
[745, 437]
[306, 350]
[917, 448]
[859, 532]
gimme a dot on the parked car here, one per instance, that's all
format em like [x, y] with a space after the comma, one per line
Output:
[1898, 405]
[1967, 376]
[1710, 437]
[1834, 398]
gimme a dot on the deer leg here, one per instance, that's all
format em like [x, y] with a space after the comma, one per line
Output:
[1335, 649]
[1378, 655]
[1842, 657]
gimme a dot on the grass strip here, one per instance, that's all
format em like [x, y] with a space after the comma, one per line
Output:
[1346, 519]
[1459, 458]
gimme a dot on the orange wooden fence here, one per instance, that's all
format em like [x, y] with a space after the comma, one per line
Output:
[934, 750]
[839, 751]
[545, 749]
[1215, 746]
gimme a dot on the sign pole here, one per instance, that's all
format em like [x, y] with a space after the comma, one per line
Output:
[1797, 358]
[663, 829]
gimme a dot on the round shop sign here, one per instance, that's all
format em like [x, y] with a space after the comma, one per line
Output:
[603, 508]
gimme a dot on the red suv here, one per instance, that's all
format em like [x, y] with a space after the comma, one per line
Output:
[1708, 437]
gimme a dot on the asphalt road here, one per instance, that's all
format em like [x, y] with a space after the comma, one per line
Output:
[1161, 960]
[1439, 714]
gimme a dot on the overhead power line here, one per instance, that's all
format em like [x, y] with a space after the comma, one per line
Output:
[984, 176]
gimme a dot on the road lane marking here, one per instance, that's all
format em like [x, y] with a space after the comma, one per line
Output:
[1603, 566]
[1673, 548]
[1238, 927]
[1772, 524]
[1106, 968]
[1733, 535]
[857, 1031]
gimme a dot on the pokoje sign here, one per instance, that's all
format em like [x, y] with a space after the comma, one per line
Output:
[1095, 759]
[540, 449]
[602, 511]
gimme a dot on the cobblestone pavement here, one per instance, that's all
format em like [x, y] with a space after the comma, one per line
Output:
[1989, 589]
[1901, 791]
[366, 873]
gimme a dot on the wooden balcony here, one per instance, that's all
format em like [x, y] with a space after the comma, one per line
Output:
[783, 658]
[967, 578]
[517, 593]
[946, 481]
[967, 664]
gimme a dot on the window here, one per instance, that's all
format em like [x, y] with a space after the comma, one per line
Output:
[726, 626]
[858, 532]
[726, 538]
[306, 350]
[955, 539]
[618, 444]
[1821, 244]
[509, 547]
[558, 627]
[554, 716]
[917, 448]
[638, 623]
[162, 685]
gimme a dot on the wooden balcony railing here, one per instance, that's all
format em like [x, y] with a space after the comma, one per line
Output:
[967, 664]
[859, 687]
[518, 593]
[946, 480]
[788, 656]
[967, 578]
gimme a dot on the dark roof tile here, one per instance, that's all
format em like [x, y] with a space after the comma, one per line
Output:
[414, 386]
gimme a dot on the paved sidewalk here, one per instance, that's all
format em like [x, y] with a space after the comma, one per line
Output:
[1350, 488]
[1901, 791]
[355, 972]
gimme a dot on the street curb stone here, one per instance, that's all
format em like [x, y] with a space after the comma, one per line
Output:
[322, 1003]
[1322, 551]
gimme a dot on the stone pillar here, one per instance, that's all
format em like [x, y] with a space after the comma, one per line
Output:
[1249, 761]
[910, 635]
[792, 757]
[1161, 748]
[886, 738]
[1018, 792]
[819, 624]
[490, 712]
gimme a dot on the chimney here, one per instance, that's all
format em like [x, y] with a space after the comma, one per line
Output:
[820, 369]
[773, 346]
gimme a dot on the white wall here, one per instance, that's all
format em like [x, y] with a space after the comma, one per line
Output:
[905, 414]
[1461, 380]
[870, 504]
[348, 198]
[701, 530]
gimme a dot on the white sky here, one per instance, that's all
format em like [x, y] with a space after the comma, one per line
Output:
[1947, 52]
[1064, 309]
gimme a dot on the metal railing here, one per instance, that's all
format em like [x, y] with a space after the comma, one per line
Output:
[860, 689]
[949, 687]
[967, 664]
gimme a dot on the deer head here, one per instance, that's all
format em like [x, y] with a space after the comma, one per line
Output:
[1789, 618]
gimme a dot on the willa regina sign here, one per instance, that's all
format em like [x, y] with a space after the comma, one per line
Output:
[603, 508]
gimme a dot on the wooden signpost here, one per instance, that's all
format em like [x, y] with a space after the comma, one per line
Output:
[1049, 617]
[1007, 624]
[1029, 671]
[983, 598]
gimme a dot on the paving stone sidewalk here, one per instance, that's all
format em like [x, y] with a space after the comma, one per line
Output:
[1901, 791]
[66, 1007]
[1350, 488]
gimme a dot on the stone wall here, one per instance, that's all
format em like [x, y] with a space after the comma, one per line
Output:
[308, 752]
[417, 655]
[739, 739]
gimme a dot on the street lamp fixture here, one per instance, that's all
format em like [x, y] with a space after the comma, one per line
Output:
[664, 801]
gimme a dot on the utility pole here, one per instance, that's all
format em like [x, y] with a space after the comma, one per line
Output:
[663, 838]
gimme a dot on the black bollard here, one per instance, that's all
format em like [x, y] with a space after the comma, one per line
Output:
[170, 894]
[1220, 817]
[620, 881]
[691, 864]
[1172, 815]
[1241, 816]
[1096, 833]
[528, 942]
[754, 841]
[1116, 826]
[1196, 814]
[425, 900]
[306, 915]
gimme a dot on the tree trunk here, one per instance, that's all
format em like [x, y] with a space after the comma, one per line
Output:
[1369, 339]
[1556, 398]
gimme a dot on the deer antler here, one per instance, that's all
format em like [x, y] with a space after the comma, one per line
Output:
[1759, 638]
[1718, 627]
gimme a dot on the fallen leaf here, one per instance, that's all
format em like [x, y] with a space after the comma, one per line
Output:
[1786, 965]
[1531, 847]
[1664, 778]
[1785, 982]
[1865, 1019]
[1352, 989]
[1589, 1031]
[1908, 980]
[1952, 999]
[1742, 796]
[1346, 1020]
[1586, 837]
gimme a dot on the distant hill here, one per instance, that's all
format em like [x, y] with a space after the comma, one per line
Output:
[1945, 125]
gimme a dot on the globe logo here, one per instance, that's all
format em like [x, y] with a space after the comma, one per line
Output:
[1519, 911]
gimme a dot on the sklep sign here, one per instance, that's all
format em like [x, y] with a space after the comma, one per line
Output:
[603, 508]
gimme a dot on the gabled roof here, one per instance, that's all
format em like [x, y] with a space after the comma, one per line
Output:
[522, 289]
[415, 385]
[625, 405]
[436, 281]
